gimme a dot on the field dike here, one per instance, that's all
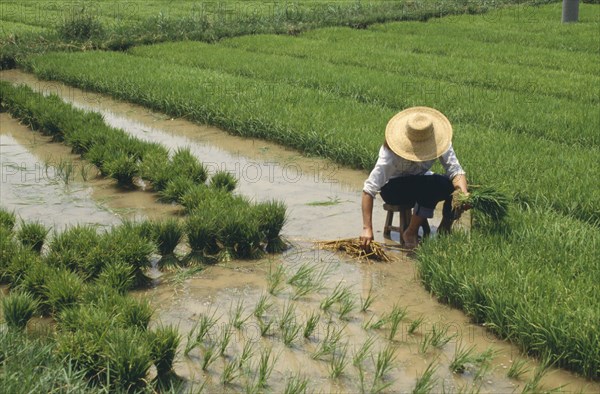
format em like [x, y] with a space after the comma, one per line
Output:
[261, 311]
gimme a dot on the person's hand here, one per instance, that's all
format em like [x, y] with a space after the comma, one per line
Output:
[366, 237]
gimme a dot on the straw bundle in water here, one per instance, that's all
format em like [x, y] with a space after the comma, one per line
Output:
[352, 247]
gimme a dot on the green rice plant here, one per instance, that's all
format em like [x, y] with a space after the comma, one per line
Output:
[288, 315]
[202, 229]
[264, 325]
[384, 362]
[425, 342]
[117, 275]
[296, 384]
[34, 282]
[361, 354]
[63, 290]
[128, 359]
[8, 248]
[311, 324]
[262, 306]
[175, 189]
[426, 382]
[225, 339]
[123, 168]
[439, 335]
[463, 355]
[132, 312]
[533, 385]
[209, 355]
[395, 318]
[376, 324]
[365, 303]
[156, 168]
[275, 279]
[335, 296]
[17, 309]
[7, 219]
[517, 369]
[236, 315]
[338, 361]
[266, 364]
[290, 332]
[18, 263]
[196, 197]
[415, 324]
[247, 352]
[32, 235]
[70, 248]
[189, 166]
[330, 342]
[347, 304]
[307, 279]
[164, 341]
[231, 371]
[486, 200]
[272, 216]
[223, 180]
[201, 328]
[239, 231]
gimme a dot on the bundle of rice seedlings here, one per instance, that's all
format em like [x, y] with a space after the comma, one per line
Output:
[175, 189]
[32, 235]
[223, 180]
[127, 358]
[118, 276]
[7, 219]
[63, 289]
[189, 166]
[122, 168]
[70, 248]
[353, 247]
[34, 282]
[8, 248]
[488, 201]
[18, 308]
[164, 341]
[168, 234]
[272, 217]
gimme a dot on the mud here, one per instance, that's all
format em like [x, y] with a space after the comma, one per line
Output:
[323, 201]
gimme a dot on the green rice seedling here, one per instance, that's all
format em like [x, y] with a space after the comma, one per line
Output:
[202, 229]
[18, 263]
[517, 369]
[7, 219]
[63, 290]
[209, 356]
[264, 325]
[378, 323]
[415, 324]
[338, 293]
[439, 335]
[128, 359]
[262, 306]
[188, 165]
[236, 315]
[123, 168]
[17, 309]
[117, 275]
[330, 342]
[384, 362]
[288, 316]
[306, 280]
[34, 282]
[202, 327]
[247, 352]
[275, 279]
[311, 324]
[70, 248]
[164, 341]
[239, 230]
[425, 342]
[231, 371]
[272, 217]
[296, 384]
[365, 303]
[426, 381]
[338, 360]
[223, 180]
[156, 168]
[347, 304]
[303, 274]
[266, 364]
[463, 355]
[395, 317]
[290, 332]
[175, 189]
[225, 339]
[32, 235]
[8, 249]
[361, 354]
[132, 312]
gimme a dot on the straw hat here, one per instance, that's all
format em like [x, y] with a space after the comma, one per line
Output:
[419, 134]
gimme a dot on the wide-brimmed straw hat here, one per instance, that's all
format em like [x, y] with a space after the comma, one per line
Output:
[419, 134]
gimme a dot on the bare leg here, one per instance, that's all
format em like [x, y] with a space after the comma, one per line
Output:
[410, 235]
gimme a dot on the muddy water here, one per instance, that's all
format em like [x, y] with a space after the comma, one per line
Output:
[323, 201]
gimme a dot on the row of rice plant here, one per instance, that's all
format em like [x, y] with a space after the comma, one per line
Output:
[235, 225]
[341, 128]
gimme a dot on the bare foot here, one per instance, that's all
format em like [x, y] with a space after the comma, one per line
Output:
[410, 240]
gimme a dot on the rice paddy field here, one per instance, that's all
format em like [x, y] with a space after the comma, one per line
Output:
[221, 290]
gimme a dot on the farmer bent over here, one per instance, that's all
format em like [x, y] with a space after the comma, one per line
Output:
[414, 138]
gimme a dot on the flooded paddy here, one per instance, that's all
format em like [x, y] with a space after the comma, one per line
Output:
[323, 203]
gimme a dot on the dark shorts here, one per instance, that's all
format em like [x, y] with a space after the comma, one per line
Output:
[422, 191]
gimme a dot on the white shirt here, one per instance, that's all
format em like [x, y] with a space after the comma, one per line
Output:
[389, 166]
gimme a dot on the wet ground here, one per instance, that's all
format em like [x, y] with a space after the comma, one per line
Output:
[323, 203]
